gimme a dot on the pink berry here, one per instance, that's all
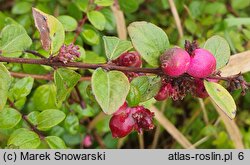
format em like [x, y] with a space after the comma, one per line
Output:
[130, 59]
[87, 141]
[121, 123]
[202, 63]
[175, 62]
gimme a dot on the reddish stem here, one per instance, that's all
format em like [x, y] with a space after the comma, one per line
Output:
[50, 62]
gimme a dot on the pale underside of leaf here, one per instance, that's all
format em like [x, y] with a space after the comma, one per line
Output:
[222, 98]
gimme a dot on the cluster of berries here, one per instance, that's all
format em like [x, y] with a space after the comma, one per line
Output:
[185, 70]
[68, 53]
[126, 119]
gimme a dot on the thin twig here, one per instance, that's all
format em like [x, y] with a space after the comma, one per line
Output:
[52, 63]
[231, 128]
[83, 20]
[79, 27]
[205, 117]
[141, 140]
[32, 127]
[82, 103]
[171, 129]
[176, 17]
[41, 76]
[158, 127]
[35, 53]
[99, 140]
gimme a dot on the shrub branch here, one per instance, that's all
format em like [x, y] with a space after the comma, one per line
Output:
[51, 62]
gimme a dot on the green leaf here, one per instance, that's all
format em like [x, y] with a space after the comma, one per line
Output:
[240, 4]
[129, 6]
[221, 97]
[74, 10]
[32, 117]
[114, 47]
[5, 81]
[14, 40]
[215, 8]
[110, 89]
[82, 4]
[65, 80]
[104, 2]
[49, 118]
[21, 8]
[97, 19]
[93, 58]
[24, 139]
[55, 142]
[53, 37]
[149, 40]
[90, 36]
[219, 47]
[110, 19]
[134, 96]
[71, 124]
[69, 23]
[22, 88]
[230, 22]
[45, 97]
[148, 86]
[9, 118]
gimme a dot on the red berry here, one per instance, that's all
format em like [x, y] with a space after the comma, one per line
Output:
[126, 119]
[200, 90]
[202, 63]
[143, 119]
[130, 59]
[121, 123]
[175, 62]
[163, 93]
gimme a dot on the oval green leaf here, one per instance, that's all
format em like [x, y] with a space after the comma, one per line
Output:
[55, 142]
[148, 86]
[24, 139]
[149, 40]
[114, 47]
[97, 19]
[21, 8]
[222, 98]
[219, 47]
[65, 80]
[22, 88]
[69, 23]
[134, 96]
[13, 40]
[104, 2]
[49, 118]
[5, 81]
[32, 117]
[90, 36]
[71, 124]
[110, 89]
[9, 118]
[129, 6]
[45, 97]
